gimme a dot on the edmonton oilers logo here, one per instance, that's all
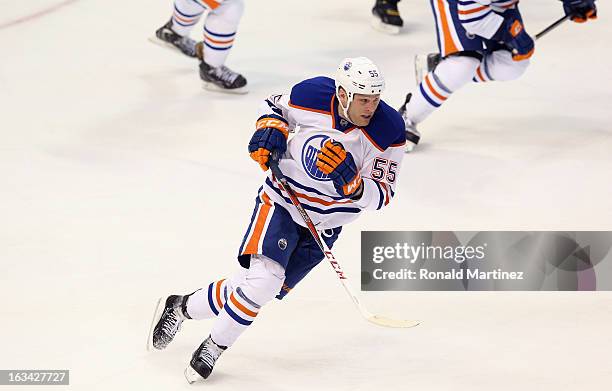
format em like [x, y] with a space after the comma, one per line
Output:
[311, 148]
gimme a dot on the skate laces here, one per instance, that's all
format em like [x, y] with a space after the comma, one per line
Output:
[225, 74]
[172, 323]
[210, 353]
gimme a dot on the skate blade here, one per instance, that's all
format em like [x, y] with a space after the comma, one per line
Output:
[191, 375]
[378, 25]
[166, 45]
[420, 67]
[215, 88]
[159, 310]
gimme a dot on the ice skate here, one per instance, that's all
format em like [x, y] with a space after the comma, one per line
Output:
[166, 37]
[425, 63]
[221, 79]
[386, 17]
[413, 136]
[203, 360]
[166, 322]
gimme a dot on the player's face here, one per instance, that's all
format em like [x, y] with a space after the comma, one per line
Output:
[362, 108]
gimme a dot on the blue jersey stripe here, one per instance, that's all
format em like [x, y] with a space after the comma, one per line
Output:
[313, 190]
[314, 208]
[476, 19]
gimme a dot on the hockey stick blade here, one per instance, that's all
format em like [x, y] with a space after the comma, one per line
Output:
[394, 323]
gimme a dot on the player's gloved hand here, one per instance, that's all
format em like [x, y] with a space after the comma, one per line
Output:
[512, 33]
[580, 11]
[271, 134]
[336, 162]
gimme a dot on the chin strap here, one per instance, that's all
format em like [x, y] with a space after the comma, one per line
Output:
[348, 104]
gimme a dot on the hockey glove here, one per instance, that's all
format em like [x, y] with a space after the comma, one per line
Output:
[271, 135]
[580, 11]
[334, 161]
[512, 33]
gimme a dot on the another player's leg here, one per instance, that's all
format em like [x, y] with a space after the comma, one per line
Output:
[220, 30]
[437, 86]
[439, 75]
[175, 33]
[500, 66]
[386, 16]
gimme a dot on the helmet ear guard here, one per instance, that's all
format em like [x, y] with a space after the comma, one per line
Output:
[358, 75]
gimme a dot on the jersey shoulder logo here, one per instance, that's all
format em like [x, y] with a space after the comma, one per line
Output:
[310, 149]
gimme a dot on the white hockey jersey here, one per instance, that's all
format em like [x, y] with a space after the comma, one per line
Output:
[483, 17]
[312, 113]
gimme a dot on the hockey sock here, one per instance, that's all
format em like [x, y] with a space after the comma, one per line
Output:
[186, 14]
[437, 86]
[262, 283]
[219, 31]
[207, 302]
[500, 66]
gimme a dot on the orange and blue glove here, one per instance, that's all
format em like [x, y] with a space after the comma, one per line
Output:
[512, 33]
[580, 11]
[271, 135]
[336, 162]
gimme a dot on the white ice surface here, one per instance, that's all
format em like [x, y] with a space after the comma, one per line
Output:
[122, 180]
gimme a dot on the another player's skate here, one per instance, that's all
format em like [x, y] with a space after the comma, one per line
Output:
[166, 37]
[425, 63]
[203, 360]
[413, 136]
[386, 17]
[220, 78]
[166, 322]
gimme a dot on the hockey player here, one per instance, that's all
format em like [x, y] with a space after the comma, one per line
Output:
[220, 26]
[480, 41]
[344, 157]
[386, 16]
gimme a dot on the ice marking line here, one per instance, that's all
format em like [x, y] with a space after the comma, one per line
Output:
[36, 15]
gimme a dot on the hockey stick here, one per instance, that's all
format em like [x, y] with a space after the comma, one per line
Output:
[551, 27]
[376, 319]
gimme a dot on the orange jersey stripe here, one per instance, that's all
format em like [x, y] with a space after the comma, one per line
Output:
[332, 112]
[264, 210]
[212, 4]
[474, 10]
[241, 307]
[449, 45]
[315, 199]
[308, 109]
[371, 140]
